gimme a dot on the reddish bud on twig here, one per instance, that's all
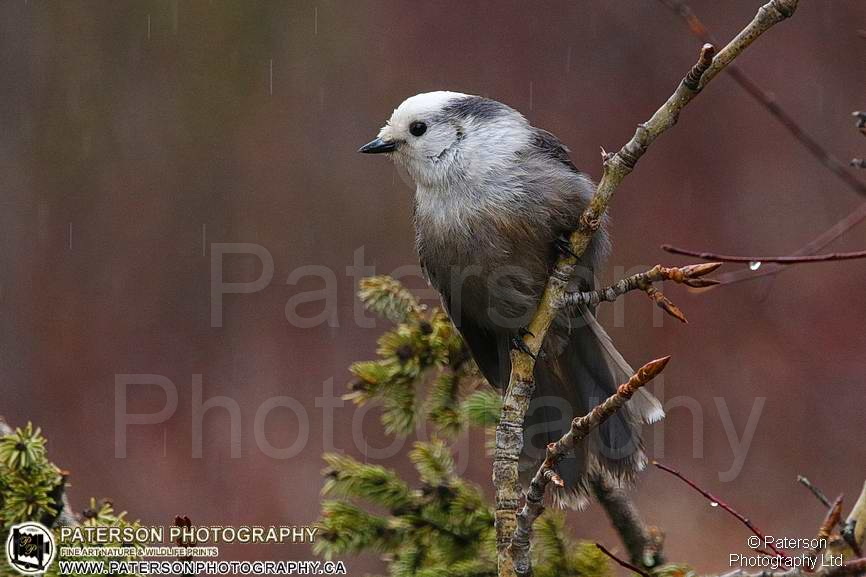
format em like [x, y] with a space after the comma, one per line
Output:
[832, 518]
[665, 304]
[651, 370]
[693, 271]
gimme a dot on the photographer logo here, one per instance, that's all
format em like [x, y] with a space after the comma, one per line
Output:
[30, 548]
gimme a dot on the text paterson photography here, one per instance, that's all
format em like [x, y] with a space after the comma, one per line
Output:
[195, 534]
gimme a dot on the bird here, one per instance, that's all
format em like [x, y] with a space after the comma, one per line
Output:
[495, 199]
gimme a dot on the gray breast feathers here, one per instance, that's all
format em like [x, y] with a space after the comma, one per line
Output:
[489, 250]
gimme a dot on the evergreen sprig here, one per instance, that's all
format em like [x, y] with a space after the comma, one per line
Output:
[388, 298]
[347, 528]
[23, 448]
[482, 408]
[433, 461]
[31, 497]
[558, 556]
[423, 346]
[31, 489]
[443, 403]
[346, 477]
[30, 484]
[444, 526]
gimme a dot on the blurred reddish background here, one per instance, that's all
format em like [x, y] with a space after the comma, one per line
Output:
[132, 128]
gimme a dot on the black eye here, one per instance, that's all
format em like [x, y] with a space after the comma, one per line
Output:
[417, 128]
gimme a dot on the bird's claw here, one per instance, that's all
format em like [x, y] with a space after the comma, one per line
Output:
[518, 344]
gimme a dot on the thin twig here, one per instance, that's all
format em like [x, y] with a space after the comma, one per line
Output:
[825, 157]
[768, 101]
[819, 494]
[689, 275]
[623, 562]
[719, 503]
[851, 220]
[786, 260]
[833, 517]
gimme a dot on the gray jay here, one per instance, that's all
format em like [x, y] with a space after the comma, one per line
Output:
[494, 200]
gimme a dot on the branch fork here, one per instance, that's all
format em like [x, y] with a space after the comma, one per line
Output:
[691, 275]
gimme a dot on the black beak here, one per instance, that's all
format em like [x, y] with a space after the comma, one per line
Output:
[378, 146]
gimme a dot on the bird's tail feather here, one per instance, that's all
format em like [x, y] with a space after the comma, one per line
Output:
[577, 373]
[643, 404]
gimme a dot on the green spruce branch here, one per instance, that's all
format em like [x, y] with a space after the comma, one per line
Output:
[442, 524]
[32, 488]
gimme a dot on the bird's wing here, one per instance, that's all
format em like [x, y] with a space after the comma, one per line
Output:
[644, 405]
[490, 349]
[550, 145]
